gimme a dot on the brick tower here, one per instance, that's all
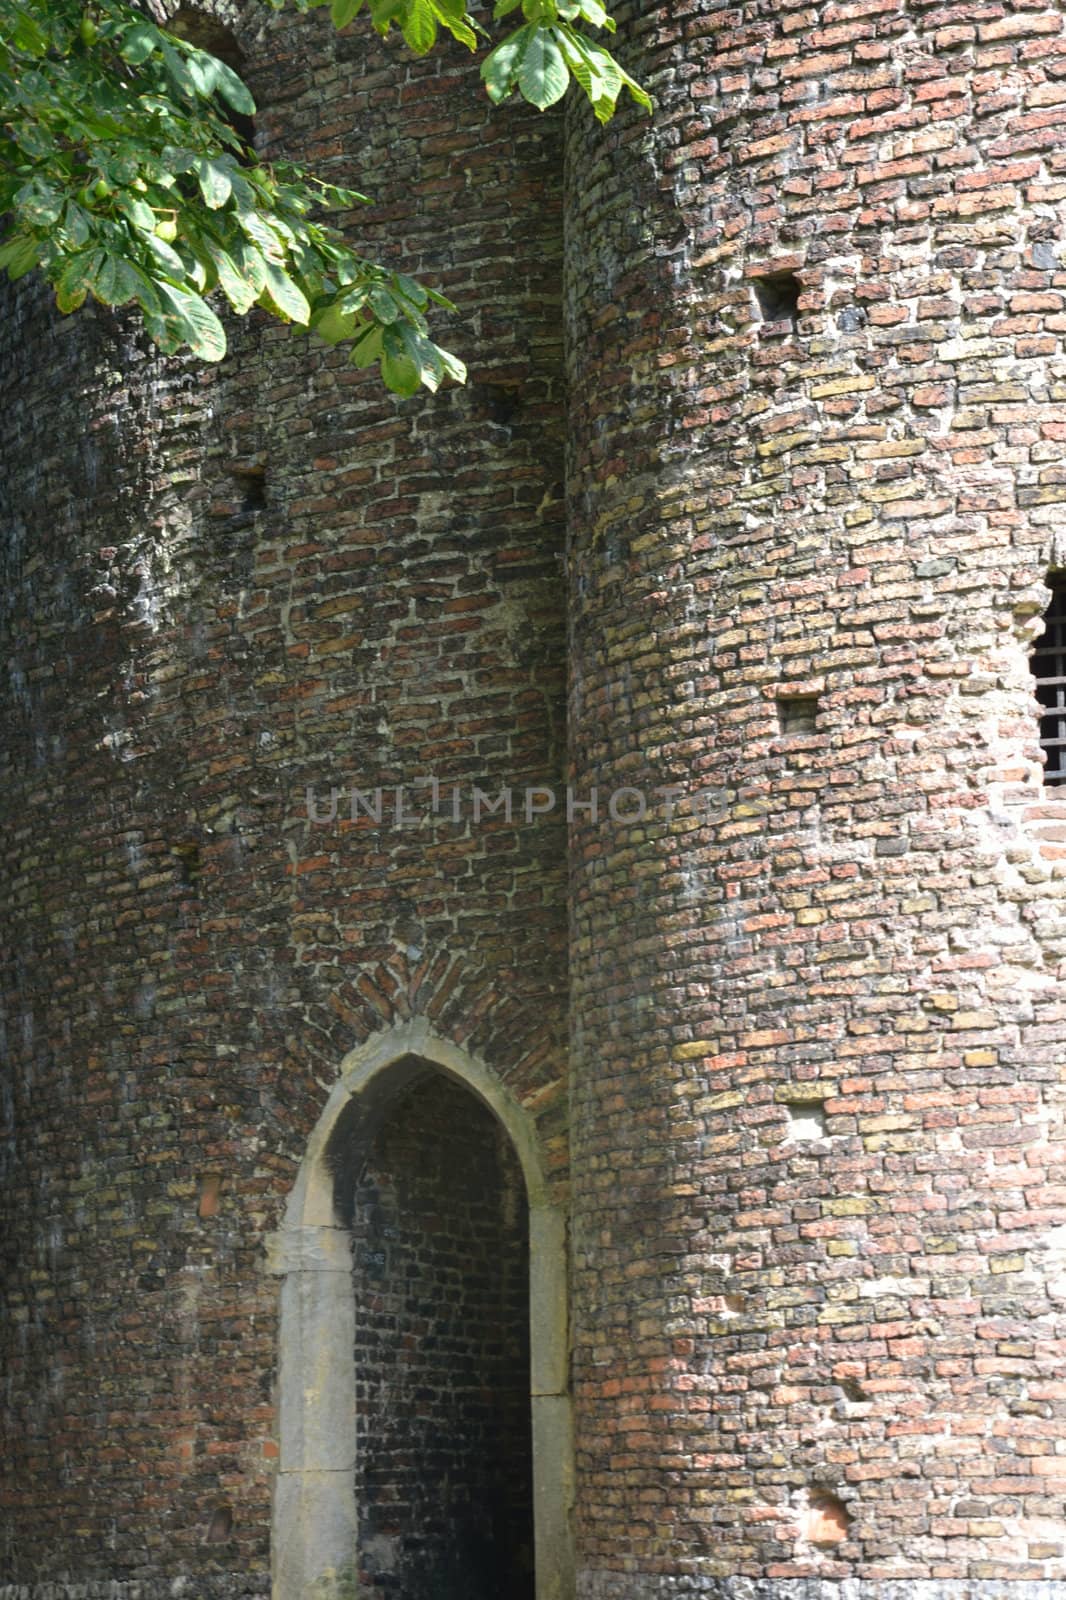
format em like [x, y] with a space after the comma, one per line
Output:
[409, 1198]
[816, 1036]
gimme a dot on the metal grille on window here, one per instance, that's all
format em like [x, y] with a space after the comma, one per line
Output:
[1048, 662]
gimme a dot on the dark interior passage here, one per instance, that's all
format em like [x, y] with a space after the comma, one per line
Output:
[444, 1451]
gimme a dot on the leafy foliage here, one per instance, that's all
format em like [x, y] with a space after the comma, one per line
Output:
[540, 57]
[123, 178]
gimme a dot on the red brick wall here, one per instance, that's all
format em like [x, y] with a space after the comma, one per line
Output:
[781, 1340]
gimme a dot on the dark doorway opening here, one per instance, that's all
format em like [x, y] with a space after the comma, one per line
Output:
[440, 1230]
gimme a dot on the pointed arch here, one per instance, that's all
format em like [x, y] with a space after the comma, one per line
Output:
[315, 1525]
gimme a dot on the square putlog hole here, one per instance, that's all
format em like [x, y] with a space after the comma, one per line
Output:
[797, 713]
[806, 1119]
[827, 1520]
[210, 1190]
[251, 483]
[777, 295]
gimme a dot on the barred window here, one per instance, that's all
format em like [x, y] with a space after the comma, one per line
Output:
[1048, 662]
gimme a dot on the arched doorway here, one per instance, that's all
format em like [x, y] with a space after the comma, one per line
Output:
[424, 1414]
[440, 1262]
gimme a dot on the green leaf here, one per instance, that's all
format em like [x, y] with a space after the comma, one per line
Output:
[411, 289]
[383, 13]
[213, 174]
[39, 203]
[168, 259]
[114, 282]
[595, 70]
[163, 329]
[367, 349]
[179, 71]
[345, 11]
[35, 141]
[262, 235]
[382, 303]
[333, 325]
[453, 367]
[333, 194]
[234, 90]
[20, 255]
[201, 69]
[70, 302]
[122, 168]
[27, 35]
[424, 353]
[240, 293]
[354, 299]
[286, 296]
[454, 16]
[138, 43]
[598, 73]
[76, 278]
[178, 159]
[543, 74]
[500, 67]
[594, 14]
[137, 211]
[75, 224]
[419, 25]
[249, 262]
[197, 324]
[199, 268]
[641, 96]
[144, 291]
[399, 370]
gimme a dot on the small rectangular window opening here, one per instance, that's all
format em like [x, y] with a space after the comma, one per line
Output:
[797, 713]
[252, 484]
[1048, 663]
[778, 295]
[806, 1119]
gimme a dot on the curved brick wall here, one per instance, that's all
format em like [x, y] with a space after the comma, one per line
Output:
[188, 958]
[800, 1357]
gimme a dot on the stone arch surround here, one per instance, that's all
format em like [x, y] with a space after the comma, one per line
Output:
[315, 1510]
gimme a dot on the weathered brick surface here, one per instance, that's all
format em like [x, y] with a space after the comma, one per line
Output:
[187, 957]
[616, 1586]
[867, 915]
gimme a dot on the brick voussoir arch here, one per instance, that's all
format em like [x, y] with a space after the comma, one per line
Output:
[462, 1002]
[315, 1511]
